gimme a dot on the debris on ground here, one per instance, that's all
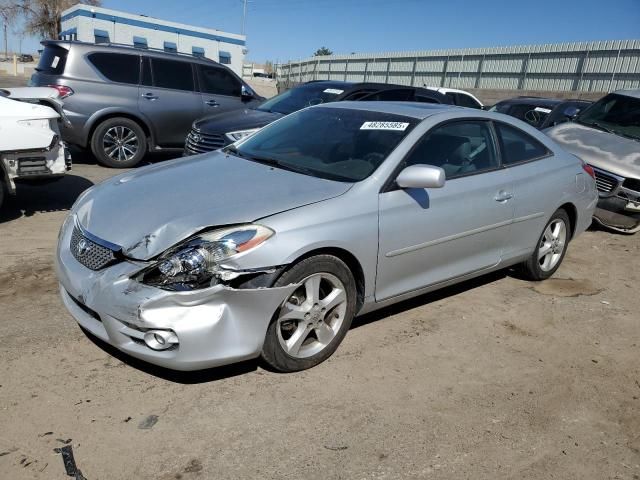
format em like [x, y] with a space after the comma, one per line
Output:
[148, 422]
[69, 462]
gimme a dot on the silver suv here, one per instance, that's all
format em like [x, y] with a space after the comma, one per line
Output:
[123, 101]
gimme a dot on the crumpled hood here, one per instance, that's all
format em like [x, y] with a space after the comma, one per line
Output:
[603, 150]
[151, 209]
[236, 120]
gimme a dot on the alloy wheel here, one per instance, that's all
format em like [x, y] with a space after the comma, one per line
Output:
[312, 316]
[120, 143]
[552, 245]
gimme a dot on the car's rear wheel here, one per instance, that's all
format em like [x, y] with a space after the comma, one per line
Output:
[313, 320]
[119, 143]
[550, 249]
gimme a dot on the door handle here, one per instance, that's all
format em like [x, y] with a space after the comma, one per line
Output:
[212, 103]
[149, 96]
[503, 196]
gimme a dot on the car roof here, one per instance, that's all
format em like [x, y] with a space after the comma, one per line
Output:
[635, 92]
[539, 101]
[416, 110]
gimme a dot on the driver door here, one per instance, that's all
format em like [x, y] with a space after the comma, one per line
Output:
[429, 236]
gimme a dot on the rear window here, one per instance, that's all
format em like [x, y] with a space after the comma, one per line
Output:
[52, 60]
[117, 67]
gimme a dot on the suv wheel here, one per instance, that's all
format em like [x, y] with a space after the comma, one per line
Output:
[119, 143]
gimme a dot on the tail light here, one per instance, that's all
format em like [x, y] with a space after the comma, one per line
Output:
[589, 169]
[63, 90]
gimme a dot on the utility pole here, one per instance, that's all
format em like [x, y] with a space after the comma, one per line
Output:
[244, 15]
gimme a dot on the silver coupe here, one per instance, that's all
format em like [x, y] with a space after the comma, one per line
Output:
[269, 247]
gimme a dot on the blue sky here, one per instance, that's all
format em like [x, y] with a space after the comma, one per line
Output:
[280, 30]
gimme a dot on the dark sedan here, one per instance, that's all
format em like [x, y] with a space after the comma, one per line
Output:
[216, 131]
[539, 112]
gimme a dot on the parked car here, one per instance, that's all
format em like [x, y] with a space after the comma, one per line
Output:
[124, 101]
[270, 246]
[607, 136]
[25, 58]
[540, 112]
[216, 131]
[30, 145]
[460, 97]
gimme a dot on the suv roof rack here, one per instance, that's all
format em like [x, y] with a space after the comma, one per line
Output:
[131, 47]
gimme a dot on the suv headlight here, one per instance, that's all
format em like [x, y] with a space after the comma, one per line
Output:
[195, 263]
[240, 134]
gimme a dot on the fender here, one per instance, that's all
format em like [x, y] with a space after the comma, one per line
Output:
[94, 120]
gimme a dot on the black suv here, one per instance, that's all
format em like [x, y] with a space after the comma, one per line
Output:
[216, 131]
[123, 101]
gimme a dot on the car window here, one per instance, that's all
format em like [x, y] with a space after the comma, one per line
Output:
[300, 97]
[52, 60]
[466, 101]
[424, 99]
[333, 143]
[117, 67]
[533, 114]
[615, 113]
[517, 146]
[218, 81]
[558, 116]
[172, 74]
[459, 148]
[502, 107]
[397, 95]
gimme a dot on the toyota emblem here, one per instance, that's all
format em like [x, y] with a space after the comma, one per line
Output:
[83, 247]
[196, 138]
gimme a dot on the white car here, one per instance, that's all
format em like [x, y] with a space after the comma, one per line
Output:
[30, 144]
[460, 97]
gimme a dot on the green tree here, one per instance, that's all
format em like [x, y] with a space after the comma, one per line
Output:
[322, 51]
[40, 17]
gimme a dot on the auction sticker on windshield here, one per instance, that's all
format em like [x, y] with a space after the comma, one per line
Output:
[335, 91]
[397, 126]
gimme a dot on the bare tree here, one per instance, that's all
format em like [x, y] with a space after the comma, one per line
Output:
[41, 17]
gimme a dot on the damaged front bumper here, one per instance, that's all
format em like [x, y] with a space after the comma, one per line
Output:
[37, 164]
[204, 328]
[619, 202]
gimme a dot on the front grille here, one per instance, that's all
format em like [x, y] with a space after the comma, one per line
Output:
[89, 253]
[32, 166]
[606, 182]
[200, 142]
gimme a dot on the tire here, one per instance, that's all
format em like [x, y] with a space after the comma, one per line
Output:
[318, 320]
[554, 242]
[119, 143]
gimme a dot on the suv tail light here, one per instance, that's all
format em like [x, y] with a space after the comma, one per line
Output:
[63, 90]
[589, 169]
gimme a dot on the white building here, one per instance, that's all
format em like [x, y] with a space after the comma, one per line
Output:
[101, 25]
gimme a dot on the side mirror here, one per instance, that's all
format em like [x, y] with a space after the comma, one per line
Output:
[571, 112]
[246, 93]
[421, 176]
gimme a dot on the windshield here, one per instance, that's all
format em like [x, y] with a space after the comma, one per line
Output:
[618, 114]
[301, 97]
[333, 143]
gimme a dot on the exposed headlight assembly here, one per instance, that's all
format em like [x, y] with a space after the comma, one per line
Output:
[240, 134]
[196, 263]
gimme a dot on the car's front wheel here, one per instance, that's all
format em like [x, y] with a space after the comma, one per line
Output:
[550, 249]
[314, 319]
[119, 143]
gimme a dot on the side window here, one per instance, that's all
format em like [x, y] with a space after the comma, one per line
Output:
[117, 67]
[459, 148]
[100, 36]
[517, 146]
[452, 97]
[217, 81]
[466, 101]
[172, 74]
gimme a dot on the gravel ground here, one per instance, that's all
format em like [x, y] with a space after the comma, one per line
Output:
[494, 378]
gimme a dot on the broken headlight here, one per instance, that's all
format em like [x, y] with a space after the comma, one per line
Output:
[196, 263]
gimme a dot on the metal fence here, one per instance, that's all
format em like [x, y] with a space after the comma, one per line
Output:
[599, 66]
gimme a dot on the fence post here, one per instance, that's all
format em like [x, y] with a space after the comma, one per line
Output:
[386, 80]
[444, 73]
[613, 75]
[480, 67]
[413, 72]
[315, 74]
[523, 71]
[346, 67]
[580, 71]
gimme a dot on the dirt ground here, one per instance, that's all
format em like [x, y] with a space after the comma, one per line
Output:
[494, 378]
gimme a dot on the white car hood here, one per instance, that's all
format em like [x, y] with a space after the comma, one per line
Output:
[16, 137]
[32, 93]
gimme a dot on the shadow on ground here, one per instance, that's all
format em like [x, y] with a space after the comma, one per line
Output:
[53, 196]
[220, 373]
